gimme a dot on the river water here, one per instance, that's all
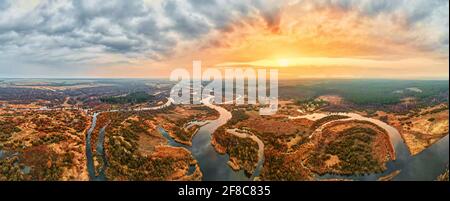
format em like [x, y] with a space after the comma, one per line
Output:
[89, 157]
[93, 176]
[425, 166]
[212, 164]
[245, 134]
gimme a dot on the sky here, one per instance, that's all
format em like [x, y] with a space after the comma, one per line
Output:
[395, 39]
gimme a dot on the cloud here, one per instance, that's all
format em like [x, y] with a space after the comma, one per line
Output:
[4, 5]
[420, 25]
[125, 28]
[58, 33]
[83, 27]
[189, 25]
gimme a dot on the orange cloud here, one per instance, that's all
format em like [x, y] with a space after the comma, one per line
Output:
[317, 39]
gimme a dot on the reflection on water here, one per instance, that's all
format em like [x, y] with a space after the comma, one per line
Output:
[426, 165]
[89, 157]
[212, 164]
[26, 170]
[101, 152]
[196, 123]
[90, 160]
[246, 134]
[191, 169]
[170, 140]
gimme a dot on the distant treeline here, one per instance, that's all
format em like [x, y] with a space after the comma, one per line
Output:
[135, 97]
[373, 92]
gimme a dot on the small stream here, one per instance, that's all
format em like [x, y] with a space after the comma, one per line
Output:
[101, 151]
[89, 158]
[173, 143]
[101, 140]
[99, 148]
[243, 134]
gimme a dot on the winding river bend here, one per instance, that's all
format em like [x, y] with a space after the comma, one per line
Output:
[245, 134]
[90, 160]
[426, 165]
[93, 176]
[212, 164]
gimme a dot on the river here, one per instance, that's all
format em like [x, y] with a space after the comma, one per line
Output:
[245, 134]
[425, 166]
[89, 156]
[212, 164]
[93, 176]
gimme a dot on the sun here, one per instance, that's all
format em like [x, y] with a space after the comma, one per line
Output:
[283, 62]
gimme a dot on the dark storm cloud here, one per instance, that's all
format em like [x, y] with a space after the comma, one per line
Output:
[117, 27]
[185, 23]
[91, 27]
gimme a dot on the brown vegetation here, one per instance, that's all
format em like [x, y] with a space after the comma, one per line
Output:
[137, 151]
[43, 145]
[243, 152]
[351, 147]
[420, 129]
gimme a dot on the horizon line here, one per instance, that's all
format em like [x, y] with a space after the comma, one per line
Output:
[167, 78]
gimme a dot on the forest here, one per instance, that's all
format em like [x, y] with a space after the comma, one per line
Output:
[132, 98]
[372, 92]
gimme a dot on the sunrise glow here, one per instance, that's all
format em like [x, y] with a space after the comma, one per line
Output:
[367, 39]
